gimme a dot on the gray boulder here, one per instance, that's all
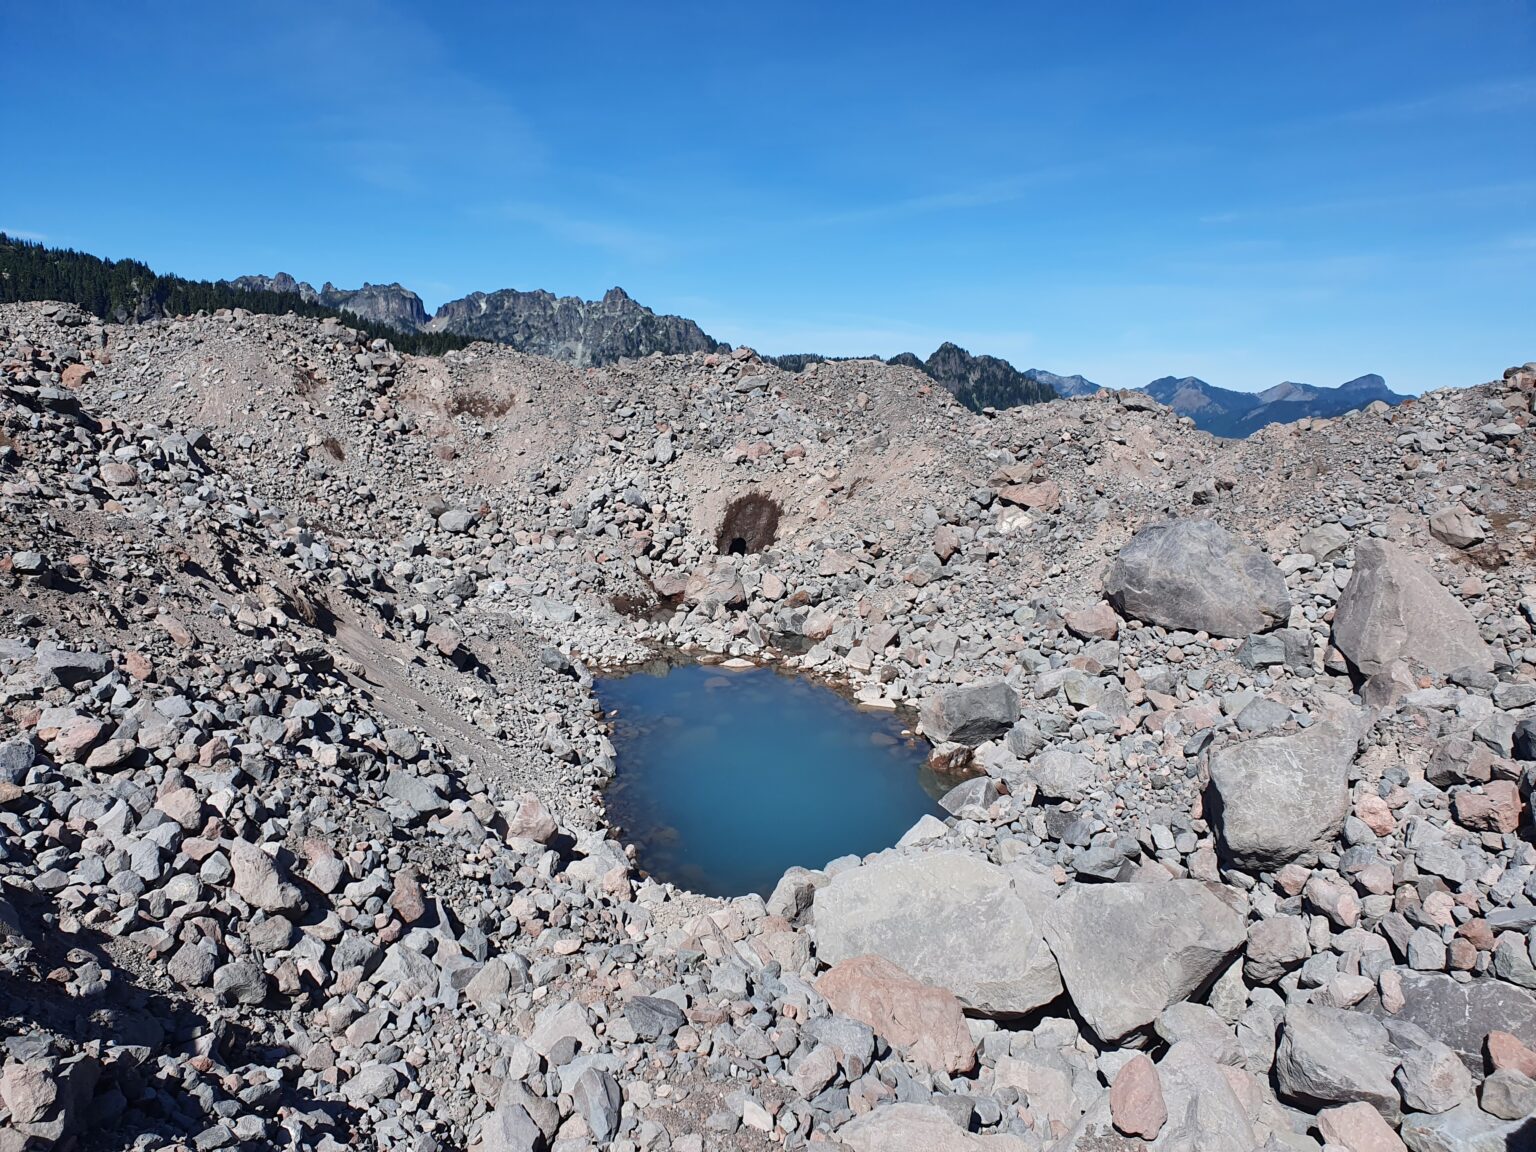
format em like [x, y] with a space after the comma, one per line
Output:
[1204, 1112]
[1457, 526]
[56, 665]
[1466, 1128]
[950, 919]
[913, 1127]
[456, 520]
[1195, 574]
[970, 713]
[1325, 542]
[1329, 1056]
[1460, 1016]
[1061, 774]
[1432, 1077]
[1394, 609]
[1271, 798]
[509, 1129]
[1127, 951]
[979, 791]
[259, 882]
[715, 585]
[652, 1017]
[598, 1099]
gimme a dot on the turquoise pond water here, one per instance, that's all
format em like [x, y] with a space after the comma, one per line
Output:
[726, 778]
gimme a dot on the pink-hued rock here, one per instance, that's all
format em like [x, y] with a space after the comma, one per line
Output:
[1358, 1127]
[1495, 809]
[1043, 496]
[76, 375]
[1335, 900]
[407, 899]
[922, 1020]
[1376, 813]
[528, 819]
[1101, 622]
[1136, 1099]
[1506, 1050]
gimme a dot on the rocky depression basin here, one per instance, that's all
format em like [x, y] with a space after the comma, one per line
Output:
[728, 777]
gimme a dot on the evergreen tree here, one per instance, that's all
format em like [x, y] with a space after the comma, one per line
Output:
[127, 291]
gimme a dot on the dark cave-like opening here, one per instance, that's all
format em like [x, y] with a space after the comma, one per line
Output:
[750, 524]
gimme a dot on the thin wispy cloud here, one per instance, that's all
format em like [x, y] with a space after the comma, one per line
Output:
[383, 98]
[985, 194]
[24, 234]
[621, 240]
[1468, 196]
[1488, 98]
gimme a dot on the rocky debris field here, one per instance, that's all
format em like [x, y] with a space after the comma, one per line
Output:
[301, 828]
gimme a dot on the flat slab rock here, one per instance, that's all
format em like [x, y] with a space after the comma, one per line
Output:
[919, 1128]
[1460, 1016]
[947, 918]
[1129, 950]
[921, 1020]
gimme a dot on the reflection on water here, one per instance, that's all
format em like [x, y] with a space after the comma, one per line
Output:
[727, 778]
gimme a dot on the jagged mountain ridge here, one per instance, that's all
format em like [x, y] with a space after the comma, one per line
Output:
[596, 332]
[391, 304]
[568, 328]
[585, 332]
[980, 381]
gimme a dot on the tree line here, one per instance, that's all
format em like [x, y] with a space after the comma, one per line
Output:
[129, 291]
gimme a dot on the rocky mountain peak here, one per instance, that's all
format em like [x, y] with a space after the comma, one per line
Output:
[585, 332]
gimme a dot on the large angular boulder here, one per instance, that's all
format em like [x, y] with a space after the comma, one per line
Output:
[1128, 950]
[1330, 1056]
[1460, 1016]
[258, 880]
[1458, 526]
[1270, 799]
[919, 1019]
[950, 919]
[970, 713]
[1394, 609]
[714, 585]
[1195, 574]
[1466, 1128]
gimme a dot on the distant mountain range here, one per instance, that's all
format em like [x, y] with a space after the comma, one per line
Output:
[590, 332]
[1223, 412]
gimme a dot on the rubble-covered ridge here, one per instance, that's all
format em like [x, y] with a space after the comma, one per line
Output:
[301, 836]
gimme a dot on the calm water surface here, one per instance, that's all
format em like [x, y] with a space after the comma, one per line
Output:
[726, 778]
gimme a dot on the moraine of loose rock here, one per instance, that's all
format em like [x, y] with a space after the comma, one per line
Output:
[301, 830]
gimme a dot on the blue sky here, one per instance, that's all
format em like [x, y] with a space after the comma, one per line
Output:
[1242, 192]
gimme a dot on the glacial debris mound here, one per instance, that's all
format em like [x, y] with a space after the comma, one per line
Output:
[302, 835]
